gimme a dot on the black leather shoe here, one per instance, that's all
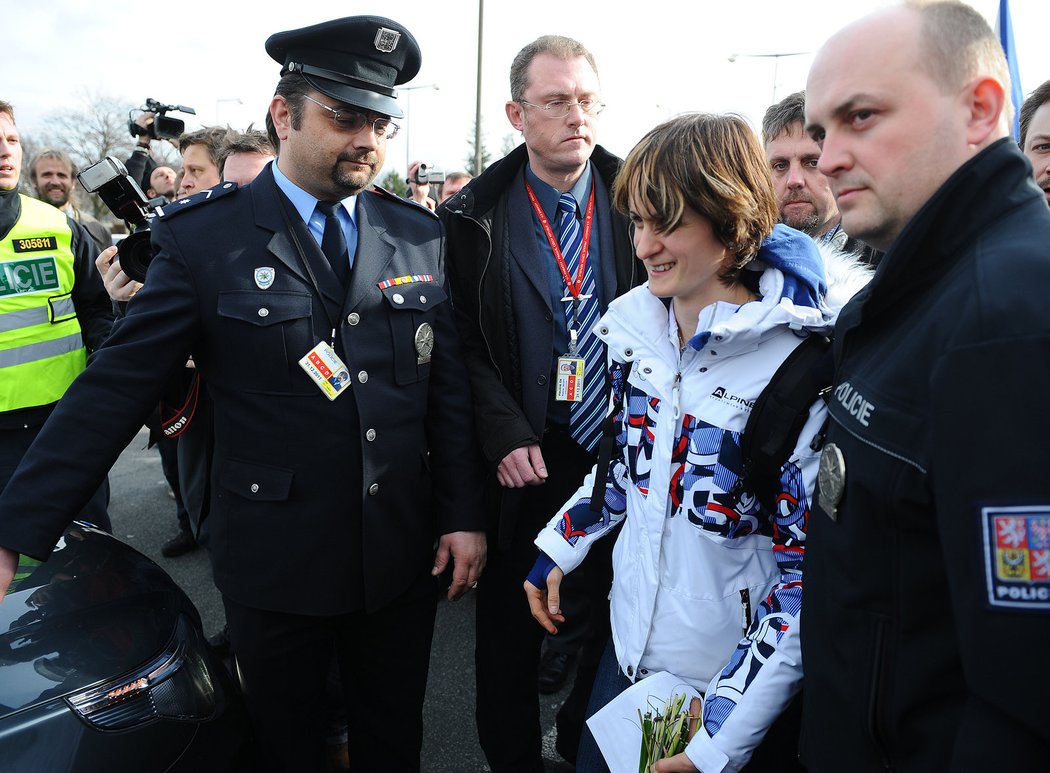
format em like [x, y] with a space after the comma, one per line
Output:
[553, 671]
[181, 543]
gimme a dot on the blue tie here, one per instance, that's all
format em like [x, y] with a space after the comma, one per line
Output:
[585, 417]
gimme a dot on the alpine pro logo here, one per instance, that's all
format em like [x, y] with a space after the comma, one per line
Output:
[737, 402]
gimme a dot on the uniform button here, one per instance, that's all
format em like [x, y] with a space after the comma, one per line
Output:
[714, 353]
[718, 338]
[703, 370]
[422, 299]
[264, 312]
[373, 489]
[548, 316]
[603, 330]
[398, 298]
[362, 376]
[628, 352]
[354, 318]
[630, 670]
[541, 380]
[255, 488]
[647, 370]
[370, 435]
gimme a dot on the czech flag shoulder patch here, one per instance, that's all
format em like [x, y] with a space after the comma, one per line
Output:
[1017, 556]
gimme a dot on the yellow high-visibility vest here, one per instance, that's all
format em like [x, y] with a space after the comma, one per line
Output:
[41, 346]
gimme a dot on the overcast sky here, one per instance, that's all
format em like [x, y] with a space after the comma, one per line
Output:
[656, 58]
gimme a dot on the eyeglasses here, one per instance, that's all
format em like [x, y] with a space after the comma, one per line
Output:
[559, 108]
[354, 120]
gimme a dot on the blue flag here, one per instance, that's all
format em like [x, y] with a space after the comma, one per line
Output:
[1005, 29]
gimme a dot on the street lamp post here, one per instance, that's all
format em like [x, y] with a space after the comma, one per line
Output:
[408, 115]
[776, 63]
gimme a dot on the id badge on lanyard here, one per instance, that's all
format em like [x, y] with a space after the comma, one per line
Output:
[570, 375]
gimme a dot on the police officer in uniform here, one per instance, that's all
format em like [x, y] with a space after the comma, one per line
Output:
[328, 494]
[53, 308]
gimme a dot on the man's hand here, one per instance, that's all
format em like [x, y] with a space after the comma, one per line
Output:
[419, 192]
[119, 285]
[546, 604]
[467, 550]
[522, 467]
[8, 565]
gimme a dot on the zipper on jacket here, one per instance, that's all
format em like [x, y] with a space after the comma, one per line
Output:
[745, 610]
[481, 282]
[877, 447]
[676, 394]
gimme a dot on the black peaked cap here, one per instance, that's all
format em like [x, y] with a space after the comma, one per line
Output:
[357, 60]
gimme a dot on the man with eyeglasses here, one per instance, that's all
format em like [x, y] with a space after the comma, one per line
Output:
[535, 256]
[316, 312]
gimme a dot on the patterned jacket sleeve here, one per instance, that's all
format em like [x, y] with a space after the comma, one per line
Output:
[765, 670]
[569, 534]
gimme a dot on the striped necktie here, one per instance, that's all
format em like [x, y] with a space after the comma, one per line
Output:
[585, 417]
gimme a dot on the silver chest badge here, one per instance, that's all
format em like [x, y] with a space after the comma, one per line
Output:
[424, 343]
[831, 479]
[264, 276]
[386, 40]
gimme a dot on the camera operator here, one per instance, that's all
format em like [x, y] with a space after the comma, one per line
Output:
[419, 185]
[140, 163]
[56, 307]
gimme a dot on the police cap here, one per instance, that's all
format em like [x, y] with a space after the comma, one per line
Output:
[357, 60]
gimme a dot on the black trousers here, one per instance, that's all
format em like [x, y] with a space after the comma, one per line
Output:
[508, 639]
[383, 657]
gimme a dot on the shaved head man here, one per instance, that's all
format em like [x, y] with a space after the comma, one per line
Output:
[928, 547]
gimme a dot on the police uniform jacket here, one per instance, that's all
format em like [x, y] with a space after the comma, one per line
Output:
[926, 609]
[318, 507]
[503, 303]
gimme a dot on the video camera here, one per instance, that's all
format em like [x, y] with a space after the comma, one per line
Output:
[427, 174]
[163, 127]
[125, 199]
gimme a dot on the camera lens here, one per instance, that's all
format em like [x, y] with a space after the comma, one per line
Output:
[135, 253]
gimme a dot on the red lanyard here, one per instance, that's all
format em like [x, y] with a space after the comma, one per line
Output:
[574, 287]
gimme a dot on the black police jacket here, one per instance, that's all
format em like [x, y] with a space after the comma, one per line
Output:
[318, 507]
[924, 645]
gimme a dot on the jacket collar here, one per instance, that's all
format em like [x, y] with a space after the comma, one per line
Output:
[481, 194]
[980, 191]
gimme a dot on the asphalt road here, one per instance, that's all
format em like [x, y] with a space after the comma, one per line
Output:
[143, 515]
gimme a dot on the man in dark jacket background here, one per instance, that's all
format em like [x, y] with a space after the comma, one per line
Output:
[515, 308]
[927, 596]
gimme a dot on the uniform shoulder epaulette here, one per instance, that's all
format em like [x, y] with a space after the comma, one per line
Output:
[187, 203]
[391, 196]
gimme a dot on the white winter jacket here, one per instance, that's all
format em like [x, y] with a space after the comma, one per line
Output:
[704, 587]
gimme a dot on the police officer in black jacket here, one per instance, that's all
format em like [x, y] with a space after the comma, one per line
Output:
[316, 311]
[926, 608]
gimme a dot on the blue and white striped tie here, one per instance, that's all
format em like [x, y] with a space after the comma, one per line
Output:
[585, 417]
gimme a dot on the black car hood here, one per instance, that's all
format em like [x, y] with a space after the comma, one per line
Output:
[94, 611]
